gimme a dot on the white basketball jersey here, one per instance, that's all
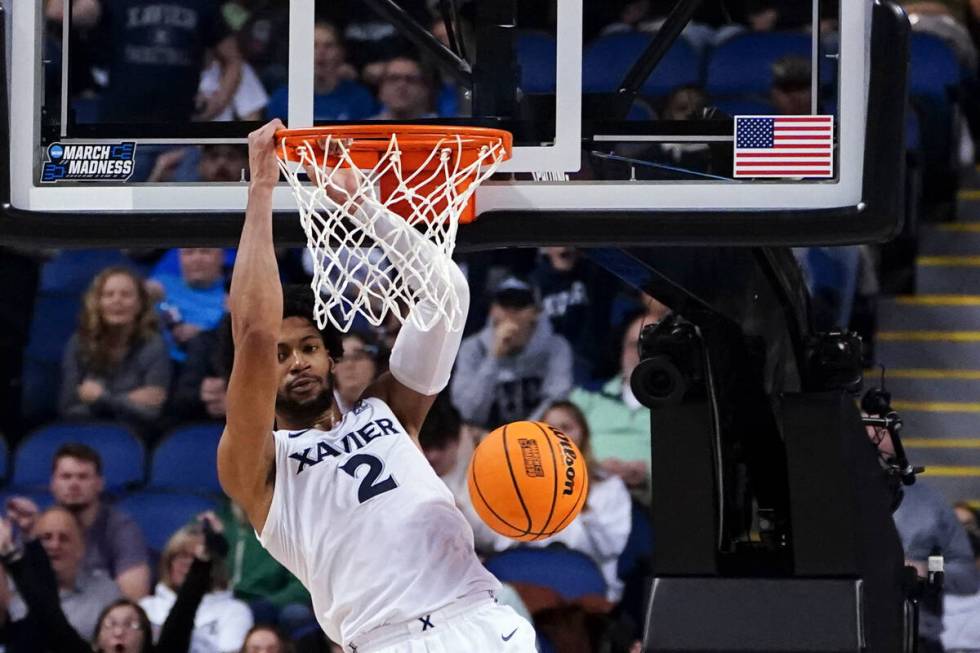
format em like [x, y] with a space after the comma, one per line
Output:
[360, 517]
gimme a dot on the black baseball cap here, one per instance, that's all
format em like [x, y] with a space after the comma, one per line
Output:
[514, 293]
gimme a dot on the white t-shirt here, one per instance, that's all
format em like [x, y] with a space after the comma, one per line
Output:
[249, 97]
[360, 517]
[220, 623]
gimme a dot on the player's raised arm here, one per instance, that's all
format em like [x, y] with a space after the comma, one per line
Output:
[246, 453]
[421, 361]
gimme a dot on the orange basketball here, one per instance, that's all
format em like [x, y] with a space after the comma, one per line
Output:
[527, 480]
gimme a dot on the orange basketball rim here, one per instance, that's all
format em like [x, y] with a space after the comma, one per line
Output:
[434, 155]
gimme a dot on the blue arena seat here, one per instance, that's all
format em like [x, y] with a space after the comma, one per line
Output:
[934, 81]
[934, 70]
[537, 56]
[160, 514]
[607, 60]
[186, 459]
[122, 453]
[572, 574]
[742, 65]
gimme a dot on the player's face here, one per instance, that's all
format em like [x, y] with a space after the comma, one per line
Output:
[263, 641]
[120, 631]
[565, 421]
[119, 301]
[61, 537]
[304, 368]
[75, 484]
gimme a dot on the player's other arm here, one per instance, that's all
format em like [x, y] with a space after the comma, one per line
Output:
[246, 452]
[422, 361]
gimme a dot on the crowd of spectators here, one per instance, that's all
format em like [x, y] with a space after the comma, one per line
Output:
[551, 335]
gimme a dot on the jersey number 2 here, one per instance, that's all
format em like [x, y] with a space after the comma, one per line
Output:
[370, 486]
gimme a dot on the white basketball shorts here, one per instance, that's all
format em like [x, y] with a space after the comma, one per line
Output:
[486, 627]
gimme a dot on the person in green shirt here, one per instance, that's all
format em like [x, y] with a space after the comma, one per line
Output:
[275, 596]
[620, 425]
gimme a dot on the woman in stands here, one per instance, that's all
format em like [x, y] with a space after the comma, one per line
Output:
[603, 527]
[264, 639]
[222, 621]
[116, 364]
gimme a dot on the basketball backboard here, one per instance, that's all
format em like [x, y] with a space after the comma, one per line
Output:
[599, 157]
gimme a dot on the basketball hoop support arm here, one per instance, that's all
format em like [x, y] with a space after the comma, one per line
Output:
[675, 23]
[421, 38]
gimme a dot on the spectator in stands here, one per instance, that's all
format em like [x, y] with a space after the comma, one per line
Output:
[156, 55]
[250, 97]
[361, 363]
[114, 544]
[194, 301]
[769, 15]
[516, 366]
[115, 365]
[832, 274]
[211, 163]
[335, 95]
[928, 526]
[261, 29]
[620, 438]
[407, 90]
[790, 92]
[221, 621]
[961, 614]
[264, 639]
[121, 627]
[452, 99]
[203, 381]
[602, 528]
[82, 594]
[448, 449]
[575, 296]
[371, 39]
[273, 594]
[685, 103]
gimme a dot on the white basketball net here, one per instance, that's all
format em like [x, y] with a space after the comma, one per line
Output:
[369, 261]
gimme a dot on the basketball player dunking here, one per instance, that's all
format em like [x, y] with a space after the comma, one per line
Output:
[347, 502]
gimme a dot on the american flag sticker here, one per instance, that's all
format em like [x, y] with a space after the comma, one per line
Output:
[784, 146]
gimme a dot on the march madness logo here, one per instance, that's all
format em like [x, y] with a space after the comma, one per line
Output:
[89, 162]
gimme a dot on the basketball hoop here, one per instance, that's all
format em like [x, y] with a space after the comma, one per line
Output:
[382, 242]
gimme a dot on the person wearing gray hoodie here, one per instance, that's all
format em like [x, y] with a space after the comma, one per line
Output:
[515, 367]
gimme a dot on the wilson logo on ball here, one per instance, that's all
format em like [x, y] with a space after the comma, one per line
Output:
[527, 480]
[571, 454]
